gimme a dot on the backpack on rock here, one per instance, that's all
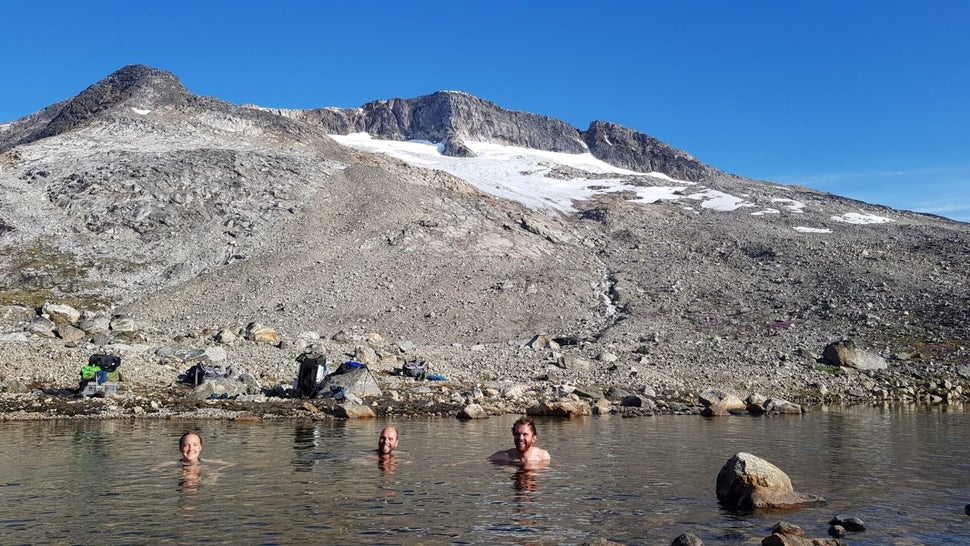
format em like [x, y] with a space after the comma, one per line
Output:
[310, 373]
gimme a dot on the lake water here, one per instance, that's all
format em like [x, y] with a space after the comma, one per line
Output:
[902, 470]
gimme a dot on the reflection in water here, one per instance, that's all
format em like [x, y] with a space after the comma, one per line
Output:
[387, 463]
[190, 486]
[307, 437]
[603, 486]
[525, 479]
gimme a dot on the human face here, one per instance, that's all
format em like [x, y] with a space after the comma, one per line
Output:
[387, 441]
[191, 448]
[523, 437]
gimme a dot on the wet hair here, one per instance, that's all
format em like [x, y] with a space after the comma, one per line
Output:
[186, 435]
[525, 421]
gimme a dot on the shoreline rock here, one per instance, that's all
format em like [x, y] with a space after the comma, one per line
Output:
[40, 376]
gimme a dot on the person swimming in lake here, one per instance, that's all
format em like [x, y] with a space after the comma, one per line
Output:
[190, 445]
[387, 441]
[386, 444]
[525, 451]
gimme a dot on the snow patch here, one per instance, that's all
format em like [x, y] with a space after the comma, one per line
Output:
[523, 174]
[718, 200]
[544, 180]
[861, 218]
[140, 111]
[803, 229]
[790, 204]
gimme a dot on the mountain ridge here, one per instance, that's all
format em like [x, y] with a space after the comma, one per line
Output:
[198, 214]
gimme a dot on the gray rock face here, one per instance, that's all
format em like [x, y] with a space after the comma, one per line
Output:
[359, 382]
[448, 117]
[107, 93]
[629, 149]
[232, 386]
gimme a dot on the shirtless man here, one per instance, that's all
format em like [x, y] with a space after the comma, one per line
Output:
[525, 451]
[387, 442]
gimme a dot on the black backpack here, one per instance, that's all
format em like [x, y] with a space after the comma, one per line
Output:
[108, 363]
[201, 372]
[313, 366]
[417, 369]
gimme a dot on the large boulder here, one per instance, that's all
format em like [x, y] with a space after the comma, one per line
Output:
[846, 354]
[60, 313]
[258, 333]
[472, 411]
[559, 409]
[353, 410]
[359, 382]
[718, 402]
[747, 482]
[232, 386]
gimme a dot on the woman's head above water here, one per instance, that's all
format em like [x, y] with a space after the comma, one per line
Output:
[190, 444]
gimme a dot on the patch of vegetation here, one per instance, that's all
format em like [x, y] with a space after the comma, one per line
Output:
[43, 273]
[829, 369]
[924, 348]
[37, 298]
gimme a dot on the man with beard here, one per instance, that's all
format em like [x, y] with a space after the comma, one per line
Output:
[525, 451]
[387, 442]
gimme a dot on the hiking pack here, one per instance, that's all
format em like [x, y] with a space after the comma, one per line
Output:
[310, 373]
[202, 372]
[100, 375]
[417, 369]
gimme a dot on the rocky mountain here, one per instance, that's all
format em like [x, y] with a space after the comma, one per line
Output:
[193, 213]
[452, 117]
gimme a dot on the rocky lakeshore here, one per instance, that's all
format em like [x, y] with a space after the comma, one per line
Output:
[45, 348]
[143, 221]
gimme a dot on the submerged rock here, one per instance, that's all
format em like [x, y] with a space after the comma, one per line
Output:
[687, 539]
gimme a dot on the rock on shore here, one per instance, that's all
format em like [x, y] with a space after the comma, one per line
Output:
[41, 372]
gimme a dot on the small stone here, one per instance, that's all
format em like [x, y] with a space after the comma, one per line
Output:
[785, 528]
[687, 539]
[855, 525]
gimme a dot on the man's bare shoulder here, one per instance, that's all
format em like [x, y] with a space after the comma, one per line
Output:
[504, 456]
[540, 455]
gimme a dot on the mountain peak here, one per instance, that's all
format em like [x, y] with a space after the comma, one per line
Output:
[626, 148]
[147, 85]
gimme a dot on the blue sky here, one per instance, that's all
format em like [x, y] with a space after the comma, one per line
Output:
[869, 100]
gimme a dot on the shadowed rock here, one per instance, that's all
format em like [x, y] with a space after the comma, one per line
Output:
[845, 353]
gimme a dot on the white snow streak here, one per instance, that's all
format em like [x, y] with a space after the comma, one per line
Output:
[526, 176]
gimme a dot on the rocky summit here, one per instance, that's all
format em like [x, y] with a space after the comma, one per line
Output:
[528, 261]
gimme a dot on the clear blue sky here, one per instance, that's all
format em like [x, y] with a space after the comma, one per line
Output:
[867, 99]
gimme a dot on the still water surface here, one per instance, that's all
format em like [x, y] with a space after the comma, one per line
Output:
[905, 472]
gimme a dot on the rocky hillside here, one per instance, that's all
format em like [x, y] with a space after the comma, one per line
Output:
[191, 213]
